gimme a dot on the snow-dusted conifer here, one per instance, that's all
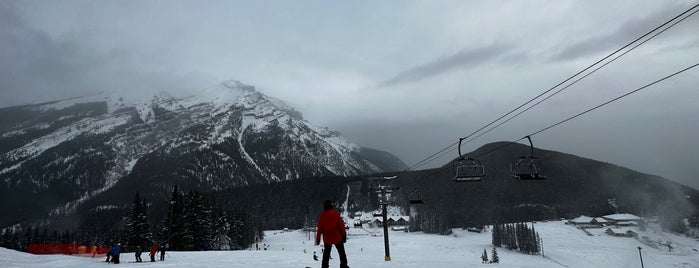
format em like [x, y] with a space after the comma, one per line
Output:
[173, 224]
[495, 257]
[138, 228]
[484, 256]
[220, 229]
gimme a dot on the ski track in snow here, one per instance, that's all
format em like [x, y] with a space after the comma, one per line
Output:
[345, 205]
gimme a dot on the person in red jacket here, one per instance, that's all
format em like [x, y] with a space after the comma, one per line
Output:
[153, 251]
[332, 228]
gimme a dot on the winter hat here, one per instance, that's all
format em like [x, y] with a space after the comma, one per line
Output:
[328, 204]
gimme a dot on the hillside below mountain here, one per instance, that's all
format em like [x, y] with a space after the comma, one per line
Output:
[574, 186]
[57, 155]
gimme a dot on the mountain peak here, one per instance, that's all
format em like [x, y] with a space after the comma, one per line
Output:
[224, 136]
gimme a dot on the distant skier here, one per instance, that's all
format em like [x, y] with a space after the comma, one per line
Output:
[138, 254]
[315, 257]
[154, 250]
[162, 251]
[109, 255]
[332, 228]
[115, 253]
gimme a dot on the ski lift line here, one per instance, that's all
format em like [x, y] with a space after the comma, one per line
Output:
[584, 70]
[615, 99]
[591, 109]
[574, 82]
[588, 74]
[422, 162]
[431, 157]
[579, 114]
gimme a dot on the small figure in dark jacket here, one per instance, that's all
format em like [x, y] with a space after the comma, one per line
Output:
[109, 255]
[138, 254]
[162, 252]
[332, 228]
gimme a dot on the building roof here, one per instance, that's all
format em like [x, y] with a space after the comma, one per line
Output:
[581, 219]
[601, 220]
[620, 231]
[622, 217]
[395, 218]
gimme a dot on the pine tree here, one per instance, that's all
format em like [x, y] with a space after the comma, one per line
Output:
[221, 227]
[415, 223]
[510, 235]
[189, 216]
[26, 238]
[243, 232]
[534, 237]
[484, 256]
[495, 257]
[138, 229]
[497, 235]
[198, 215]
[173, 225]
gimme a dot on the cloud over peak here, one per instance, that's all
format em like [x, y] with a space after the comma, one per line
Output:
[465, 59]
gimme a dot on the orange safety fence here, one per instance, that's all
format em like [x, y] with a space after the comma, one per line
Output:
[68, 249]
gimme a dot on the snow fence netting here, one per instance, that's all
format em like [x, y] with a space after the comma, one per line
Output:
[68, 249]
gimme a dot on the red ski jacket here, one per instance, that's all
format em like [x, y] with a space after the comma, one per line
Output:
[154, 249]
[331, 226]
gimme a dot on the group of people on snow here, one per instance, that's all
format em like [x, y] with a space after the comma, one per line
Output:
[331, 228]
[114, 253]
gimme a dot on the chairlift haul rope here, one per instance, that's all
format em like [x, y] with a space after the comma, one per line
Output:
[652, 33]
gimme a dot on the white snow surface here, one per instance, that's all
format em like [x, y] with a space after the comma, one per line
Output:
[564, 246]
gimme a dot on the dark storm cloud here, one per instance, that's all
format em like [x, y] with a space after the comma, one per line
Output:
[37, 66]
[34, 65]
[622, 35]
[464, 59]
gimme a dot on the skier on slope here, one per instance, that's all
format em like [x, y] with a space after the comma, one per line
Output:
[153, 251]
[138, 254]
[109, 255]
[332, 228]
[116, 250]
[162, 251]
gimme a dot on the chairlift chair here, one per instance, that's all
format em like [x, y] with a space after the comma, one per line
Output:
[415, 198]
[527, 167]
[467, 169]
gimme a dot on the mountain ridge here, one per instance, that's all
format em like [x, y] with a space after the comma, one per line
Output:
[228, 135]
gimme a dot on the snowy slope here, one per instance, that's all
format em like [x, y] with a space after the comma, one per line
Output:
[564, 246]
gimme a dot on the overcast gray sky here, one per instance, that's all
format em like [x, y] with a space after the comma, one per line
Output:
[408, 77]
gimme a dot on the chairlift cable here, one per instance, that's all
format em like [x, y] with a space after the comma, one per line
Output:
[586, 75]
[575, 116]
[592, 109]
[584, 70]
[615, 99]
[429, 158]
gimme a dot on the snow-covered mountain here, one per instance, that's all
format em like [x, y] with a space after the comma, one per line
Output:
[57, 154]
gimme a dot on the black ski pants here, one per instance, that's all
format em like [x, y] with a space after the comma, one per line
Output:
[340, 250]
